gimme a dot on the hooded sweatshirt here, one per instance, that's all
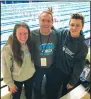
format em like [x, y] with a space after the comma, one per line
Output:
[11, 70]
[71, 54]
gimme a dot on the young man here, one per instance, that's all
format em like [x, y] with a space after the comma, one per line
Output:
[70, 57]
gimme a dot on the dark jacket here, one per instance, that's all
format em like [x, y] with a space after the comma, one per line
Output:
[71, 54]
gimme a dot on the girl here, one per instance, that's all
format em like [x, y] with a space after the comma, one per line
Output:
[17, 62]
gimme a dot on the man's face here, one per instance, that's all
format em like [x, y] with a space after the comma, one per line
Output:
[45, 21]
[75, 27]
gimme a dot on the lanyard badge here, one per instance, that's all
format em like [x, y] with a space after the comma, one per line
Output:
[44, 60]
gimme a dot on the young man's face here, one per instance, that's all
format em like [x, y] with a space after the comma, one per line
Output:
[45, 21]
[75, 27]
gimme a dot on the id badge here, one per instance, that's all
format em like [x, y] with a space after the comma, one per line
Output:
[43, 62]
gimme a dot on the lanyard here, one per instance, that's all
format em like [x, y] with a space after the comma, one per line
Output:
[42, 43]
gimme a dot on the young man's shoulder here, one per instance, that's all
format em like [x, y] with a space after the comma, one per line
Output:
[63, 30]
[85, 47]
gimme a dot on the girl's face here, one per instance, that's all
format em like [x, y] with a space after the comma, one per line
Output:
[75, 27]
[22, 35]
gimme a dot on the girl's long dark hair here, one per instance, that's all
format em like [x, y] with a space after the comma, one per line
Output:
[15, 44]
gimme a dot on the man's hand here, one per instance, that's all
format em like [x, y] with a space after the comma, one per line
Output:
[69, 86]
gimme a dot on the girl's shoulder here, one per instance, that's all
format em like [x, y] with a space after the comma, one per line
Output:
[7, 48]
